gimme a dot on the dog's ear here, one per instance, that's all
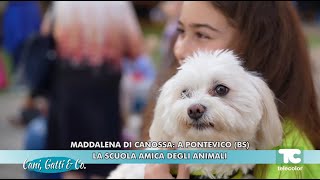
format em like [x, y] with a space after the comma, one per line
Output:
[270, 131]
[161, 112]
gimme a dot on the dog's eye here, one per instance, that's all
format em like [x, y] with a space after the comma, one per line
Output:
[185, 93]
[221, 90]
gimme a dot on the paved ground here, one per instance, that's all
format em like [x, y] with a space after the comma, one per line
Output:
[12, 137]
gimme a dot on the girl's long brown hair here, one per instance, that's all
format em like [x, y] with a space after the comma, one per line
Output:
[271, 42]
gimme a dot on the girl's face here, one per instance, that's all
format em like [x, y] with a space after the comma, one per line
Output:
[201, 26]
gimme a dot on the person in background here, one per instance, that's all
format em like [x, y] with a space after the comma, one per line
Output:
[32, 55]
[138, 76]
[92, 39]
[20, 20]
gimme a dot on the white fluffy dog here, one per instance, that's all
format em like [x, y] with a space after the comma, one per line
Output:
[213, 98]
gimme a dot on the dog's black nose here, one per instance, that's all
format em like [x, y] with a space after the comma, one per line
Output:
[196, 111]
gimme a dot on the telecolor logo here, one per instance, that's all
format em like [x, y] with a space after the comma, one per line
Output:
[293, 156]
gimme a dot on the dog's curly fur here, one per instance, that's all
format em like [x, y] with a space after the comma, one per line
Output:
[246, 111]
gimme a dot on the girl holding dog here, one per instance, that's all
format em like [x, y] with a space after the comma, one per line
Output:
[269, 37]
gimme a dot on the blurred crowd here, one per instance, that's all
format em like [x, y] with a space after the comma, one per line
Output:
[88, 68]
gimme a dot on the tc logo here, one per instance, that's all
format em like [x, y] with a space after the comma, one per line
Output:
[288, 155]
